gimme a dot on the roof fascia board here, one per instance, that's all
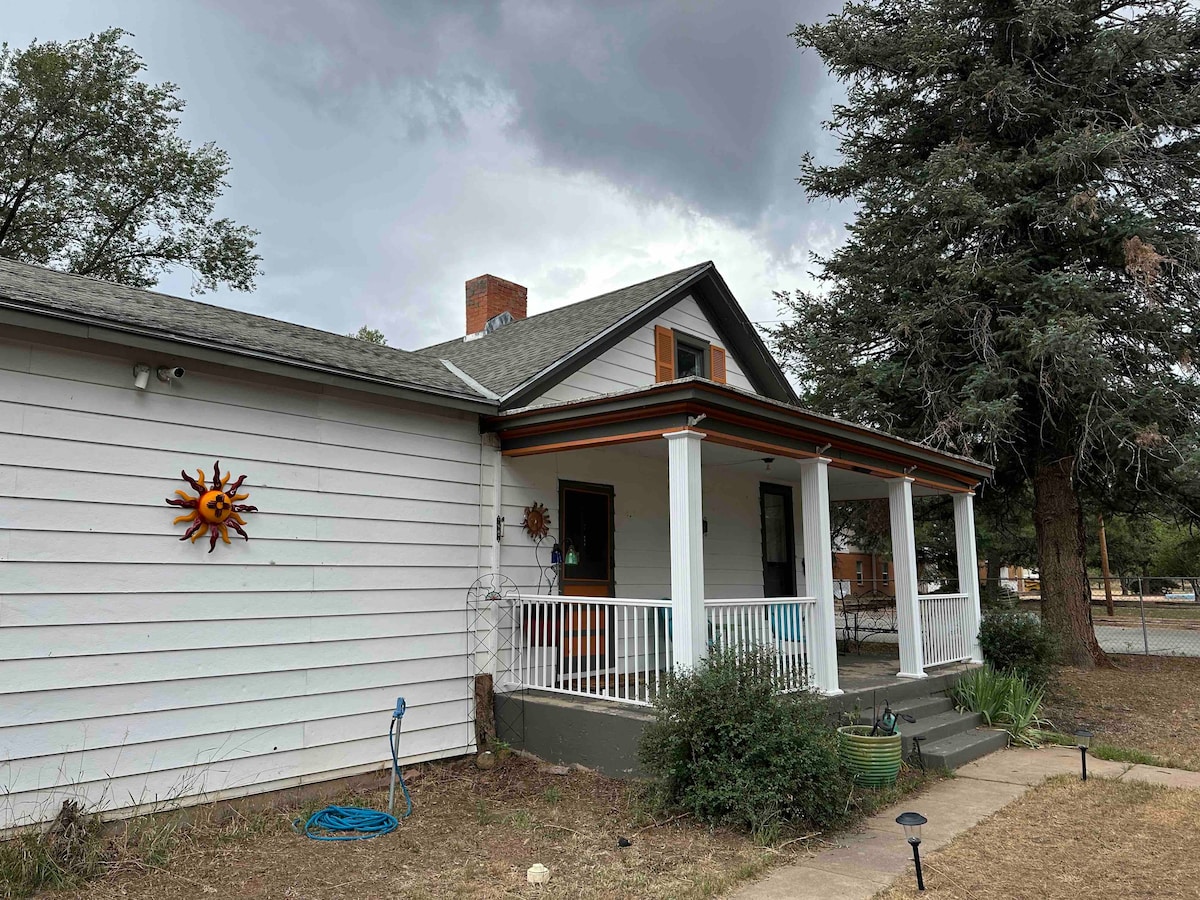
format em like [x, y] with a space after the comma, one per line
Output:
[118, 337]
[706, 397]
[727, 317]
[738, 332]
[536, 385]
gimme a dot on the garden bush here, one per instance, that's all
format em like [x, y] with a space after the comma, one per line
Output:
[725, 747]
[1020, 644]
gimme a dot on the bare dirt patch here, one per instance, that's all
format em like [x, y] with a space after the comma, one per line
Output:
[1150, 704]
[473, 834]
[1068, 839]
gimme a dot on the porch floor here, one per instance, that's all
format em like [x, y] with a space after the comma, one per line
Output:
[859, 673]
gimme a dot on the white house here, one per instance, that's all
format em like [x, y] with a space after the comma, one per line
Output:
[682, 482]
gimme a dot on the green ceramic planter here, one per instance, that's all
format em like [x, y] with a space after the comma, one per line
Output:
[874, 759]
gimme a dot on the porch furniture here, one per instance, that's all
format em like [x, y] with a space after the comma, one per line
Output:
[865, 614]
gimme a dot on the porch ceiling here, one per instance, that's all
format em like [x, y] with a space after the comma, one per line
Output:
[741, 428]
[844, 484]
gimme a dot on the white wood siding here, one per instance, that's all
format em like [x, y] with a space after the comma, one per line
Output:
[642, 540]
[630, 363]
[135, 668]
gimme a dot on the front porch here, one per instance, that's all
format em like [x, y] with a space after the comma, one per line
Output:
[718, 504]
[570, 728]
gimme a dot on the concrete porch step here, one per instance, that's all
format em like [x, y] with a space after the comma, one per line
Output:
[938, 727]
[959, 749]
[919, 708]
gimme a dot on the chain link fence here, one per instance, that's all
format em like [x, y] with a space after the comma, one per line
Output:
[1155, 615]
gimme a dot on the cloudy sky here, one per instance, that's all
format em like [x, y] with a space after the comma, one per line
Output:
[388, 151]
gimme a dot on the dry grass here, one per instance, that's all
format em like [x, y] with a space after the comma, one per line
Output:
[1069, 839]
[1150, 704]
[473, 834]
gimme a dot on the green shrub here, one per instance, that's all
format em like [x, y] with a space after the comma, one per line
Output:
[1019, 643]
[1004, 700]
[725, 747]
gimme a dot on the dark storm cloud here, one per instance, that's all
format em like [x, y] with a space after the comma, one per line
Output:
[709, 104]
[387, 151]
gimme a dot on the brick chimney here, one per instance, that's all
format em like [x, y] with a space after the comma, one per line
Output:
[488, 296]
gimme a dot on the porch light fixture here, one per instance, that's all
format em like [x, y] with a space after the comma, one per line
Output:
[1083, 740]
[912, 822]
[768, 460]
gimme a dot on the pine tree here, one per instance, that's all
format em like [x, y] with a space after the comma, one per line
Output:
[1020, 280]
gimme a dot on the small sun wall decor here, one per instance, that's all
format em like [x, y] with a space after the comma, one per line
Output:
[214, 507]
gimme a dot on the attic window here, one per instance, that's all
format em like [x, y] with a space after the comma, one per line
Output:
[691, 357]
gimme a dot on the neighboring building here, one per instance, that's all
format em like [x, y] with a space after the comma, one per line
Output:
[136, 668]
[863, 573]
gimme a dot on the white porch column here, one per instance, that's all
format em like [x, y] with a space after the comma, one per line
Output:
[968, 564]
[818, 571]
[904, 560]
[689, 623]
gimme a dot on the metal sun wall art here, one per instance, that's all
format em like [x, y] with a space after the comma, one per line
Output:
[537, 521]
[214, 507]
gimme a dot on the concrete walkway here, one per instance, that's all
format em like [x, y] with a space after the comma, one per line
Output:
[864, 863]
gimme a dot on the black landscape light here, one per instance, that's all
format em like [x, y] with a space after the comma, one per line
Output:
[912, 822]
[1083, 739]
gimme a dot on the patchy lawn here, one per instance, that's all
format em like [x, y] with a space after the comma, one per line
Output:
[472, 834]
[1146, 704]
[1069, 839]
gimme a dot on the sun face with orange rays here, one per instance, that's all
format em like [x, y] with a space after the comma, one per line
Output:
[214, 507]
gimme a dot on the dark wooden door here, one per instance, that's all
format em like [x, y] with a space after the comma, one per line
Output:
[586, 536]
[778, 540]
[586, 531]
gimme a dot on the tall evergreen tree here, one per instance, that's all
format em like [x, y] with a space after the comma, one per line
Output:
[1020, 281]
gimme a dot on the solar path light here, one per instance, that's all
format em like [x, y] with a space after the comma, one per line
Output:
[912, 822]
[1083, 739]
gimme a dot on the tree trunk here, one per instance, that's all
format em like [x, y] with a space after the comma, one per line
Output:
[1062, 561]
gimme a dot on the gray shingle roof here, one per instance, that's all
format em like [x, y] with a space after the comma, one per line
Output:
[36, 289]
[511, 356]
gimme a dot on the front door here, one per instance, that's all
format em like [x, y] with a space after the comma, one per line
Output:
[586, 536]
[778, 541]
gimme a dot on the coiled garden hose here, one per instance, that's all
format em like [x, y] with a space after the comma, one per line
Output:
[353, 823]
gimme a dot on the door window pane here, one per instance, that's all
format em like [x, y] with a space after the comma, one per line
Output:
[586, 524]
[775, 548]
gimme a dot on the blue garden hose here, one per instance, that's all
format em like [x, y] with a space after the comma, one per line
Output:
[348, 823]
[352, 823]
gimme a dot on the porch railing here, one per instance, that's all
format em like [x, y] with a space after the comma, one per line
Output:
[621, 650]
[781, 626]
[606, 648]
[946, 623]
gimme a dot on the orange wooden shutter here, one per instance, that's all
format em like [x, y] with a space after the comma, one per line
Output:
[716, 363]
[664, 354]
